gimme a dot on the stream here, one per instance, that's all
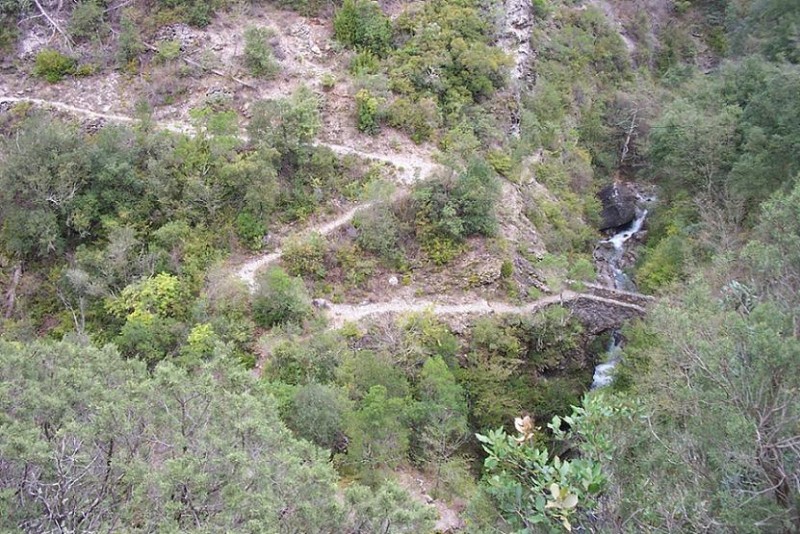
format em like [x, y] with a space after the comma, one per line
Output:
[616, 278]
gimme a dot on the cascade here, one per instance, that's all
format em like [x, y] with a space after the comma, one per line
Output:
[603, 372]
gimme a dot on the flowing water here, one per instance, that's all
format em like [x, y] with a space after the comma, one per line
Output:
[603, 373]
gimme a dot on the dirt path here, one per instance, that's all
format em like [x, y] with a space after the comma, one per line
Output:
[342, 313]
[413, 168]
[247, 271]
[410, 169]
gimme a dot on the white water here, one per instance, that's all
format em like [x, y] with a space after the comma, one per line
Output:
[604, 372]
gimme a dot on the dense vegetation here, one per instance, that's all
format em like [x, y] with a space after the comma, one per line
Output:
[144, 388]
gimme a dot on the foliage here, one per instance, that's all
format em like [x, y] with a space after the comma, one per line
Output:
[129, 44]
[734, 362]
[728, 138]
[446, 52]
[418, 118]
[86, 425]
[52, 65]
[361, 24]
[367, 112]
[440, 413]
[258, 55]
[363, 369]
[86, 20]
[387, 508]
[318, 414]
[286, 124]
[305, 256]
[280, 299]
[452, 208]
[533, 485]
[379, 438]
[250, 230]
[299, 362]
[379, 233]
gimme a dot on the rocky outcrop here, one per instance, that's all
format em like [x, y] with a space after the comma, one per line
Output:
[619, 205]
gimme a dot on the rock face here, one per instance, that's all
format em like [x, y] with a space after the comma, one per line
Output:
[619, 205]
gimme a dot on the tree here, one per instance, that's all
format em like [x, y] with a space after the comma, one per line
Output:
[441, 414]
[258, 56]
[318, 413]
[286, 124]
[451, 208]
[389, 509]
[45, 168]
[362, 24]
[93, 442]
[280, 299]
[724, 425]
[378, 435]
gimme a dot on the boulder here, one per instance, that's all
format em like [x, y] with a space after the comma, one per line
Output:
[619, 205]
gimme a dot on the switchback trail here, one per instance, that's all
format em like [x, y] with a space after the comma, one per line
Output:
[409, 170]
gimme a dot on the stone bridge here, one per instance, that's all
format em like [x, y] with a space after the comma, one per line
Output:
[601, 308]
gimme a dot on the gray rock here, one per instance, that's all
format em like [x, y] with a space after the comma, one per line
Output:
[321, 304]
[619, 205]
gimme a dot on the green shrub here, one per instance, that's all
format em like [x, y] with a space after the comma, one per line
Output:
[168, 51]
[506, 269]
[250, 230]
[379, 233]
[52, 65]
[500, 162]
[86, 20]
[356, 268]
[8, 32]
[418, 119]
[662, 264]
[362, 24]
[365, 62]
[87, 69]
[367, 112]
[280, 299]
[258, 55]
[328, 81]
[305, 257]
[129, 44]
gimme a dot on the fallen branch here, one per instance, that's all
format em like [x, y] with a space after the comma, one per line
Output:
[53, 23]
[194, 63]
[11, 294]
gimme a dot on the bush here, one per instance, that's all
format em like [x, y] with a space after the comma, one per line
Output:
[129, 44]
[168, 51]
[86, 20]
[362, 24]
[280, 299]
[365, 62]
[506, 269]
[318, 414]
[367, 112]
[418, 119]
[52, 65]
[305, 257]
[258, 55]
[378, 232]
[250, 230]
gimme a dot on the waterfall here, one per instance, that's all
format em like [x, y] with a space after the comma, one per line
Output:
[603, 373]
